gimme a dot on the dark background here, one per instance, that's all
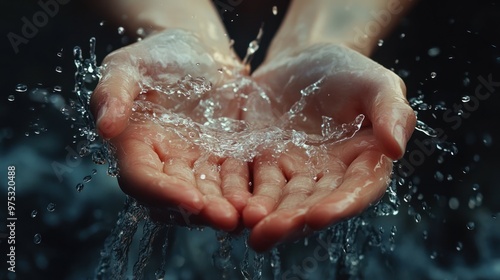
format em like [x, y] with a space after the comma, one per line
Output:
[467, 35]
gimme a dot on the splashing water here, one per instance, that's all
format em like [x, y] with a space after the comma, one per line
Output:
[346, 243]
[216, 135]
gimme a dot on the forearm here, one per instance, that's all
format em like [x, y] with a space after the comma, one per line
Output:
[197, 16]
[358, 24]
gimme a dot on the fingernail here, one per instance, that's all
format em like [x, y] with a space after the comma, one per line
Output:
[102, 111]
[399, 136]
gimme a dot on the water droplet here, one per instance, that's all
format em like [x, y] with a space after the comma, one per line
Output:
[471, 225]
[203, 176]
[113, 170]
[21, 88]
[140, 31]
[34, 213]
[433, 75]
[423, 127]
[87, 179]
[51, 207]
[11, 97]
[425, 234]
[403, 73]
[121, 30]
[417, 218]
[59, 69]
[275, 10]
[159, 274]
[454, 203]
[487, 140]
[439, 176]
[37, 239]
[476, 158]
[466, 81]
[433, 52]
[380, 43]
[79, 187]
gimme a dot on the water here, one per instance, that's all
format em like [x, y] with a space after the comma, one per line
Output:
[404, 247]
[219, 136]
[346, 242]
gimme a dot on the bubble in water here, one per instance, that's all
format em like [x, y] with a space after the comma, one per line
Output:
[79, 187]
[59, 69]
[203, 176]
[51, 207]
[57, 88]
[459, 246]
[471, 225]
[121, 30]
[34, 213]
[94, 171]
[465, 98]
[37, 239]
[21, 88]
[102, 23]
[475, 187]
[402, 35]
[275, 10]
[433, 52]
[433, 75]
[11, 97]
[380, 43]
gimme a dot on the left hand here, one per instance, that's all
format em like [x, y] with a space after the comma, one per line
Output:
[288, 201]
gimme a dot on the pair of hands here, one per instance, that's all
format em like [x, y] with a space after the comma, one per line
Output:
[284, 201]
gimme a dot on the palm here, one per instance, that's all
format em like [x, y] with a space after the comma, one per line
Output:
[289, 199]
[157, 165]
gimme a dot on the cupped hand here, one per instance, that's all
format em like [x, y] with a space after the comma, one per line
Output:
[157, 166]
[290, 200]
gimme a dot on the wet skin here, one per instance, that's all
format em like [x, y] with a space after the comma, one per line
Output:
[285, 200]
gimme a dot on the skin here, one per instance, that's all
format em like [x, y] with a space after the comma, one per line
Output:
[286, 200]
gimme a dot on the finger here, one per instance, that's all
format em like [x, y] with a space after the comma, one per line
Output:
[365, 181]
[141, 176]
[393, 120]
[235, 183]
[217, 210]
[268, 183]
[277, 227]
[112, 99]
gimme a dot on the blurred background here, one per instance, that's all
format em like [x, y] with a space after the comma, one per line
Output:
[447, 222]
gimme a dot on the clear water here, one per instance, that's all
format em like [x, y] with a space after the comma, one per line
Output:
[345, 245]
[396, 235]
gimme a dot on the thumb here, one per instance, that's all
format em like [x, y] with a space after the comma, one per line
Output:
[112, 100]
